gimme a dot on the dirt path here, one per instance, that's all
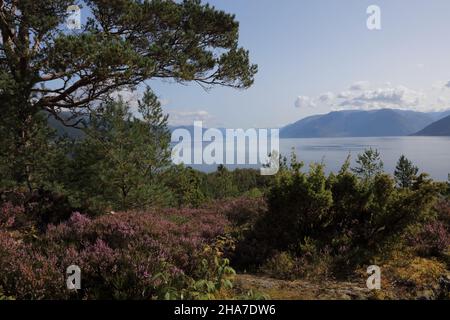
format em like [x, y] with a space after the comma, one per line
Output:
[301, 289]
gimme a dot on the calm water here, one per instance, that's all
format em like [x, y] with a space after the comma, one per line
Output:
[430, 154]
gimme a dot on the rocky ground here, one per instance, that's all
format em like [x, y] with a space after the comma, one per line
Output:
[334, 290]
[302, 289]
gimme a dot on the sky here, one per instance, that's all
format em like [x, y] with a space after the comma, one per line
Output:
[318, 56]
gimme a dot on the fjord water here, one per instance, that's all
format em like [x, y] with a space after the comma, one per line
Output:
[430, 154]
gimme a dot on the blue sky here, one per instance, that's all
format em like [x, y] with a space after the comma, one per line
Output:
[316, 56]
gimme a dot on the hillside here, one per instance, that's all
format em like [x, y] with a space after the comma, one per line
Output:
[438, 128]
[437, 115]
[63, 130]
[358, 123]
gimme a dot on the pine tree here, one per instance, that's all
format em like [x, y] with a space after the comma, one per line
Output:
[119, 161]
[30, 156]
[156, 134]
[221, 184]
[405, 172]
[45, 67]
[369, 164]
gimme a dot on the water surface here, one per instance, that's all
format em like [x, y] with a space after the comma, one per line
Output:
[430, 154]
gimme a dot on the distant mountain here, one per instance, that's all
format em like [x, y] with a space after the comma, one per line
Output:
[438, 128]
[359, 123]
[63, 130]
[348, 123]
[437, 115]
[191, 128]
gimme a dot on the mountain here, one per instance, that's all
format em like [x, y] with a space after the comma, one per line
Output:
[359, 123]
[438, 128]
[191, 128]
[437, 115]
[61, 129]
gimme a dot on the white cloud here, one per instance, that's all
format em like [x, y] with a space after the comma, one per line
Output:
[304, 102]
[327, 97]
[131, 97]
[380, 96]
[440, 104]
[359, 85]
[344, 94]
[386, 97]
[439, 85]
[164, 102]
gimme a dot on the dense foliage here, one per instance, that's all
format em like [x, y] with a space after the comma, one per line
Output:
[343, 220]
[126, 255]
[120, 160]
[47, 69]
[308, 225]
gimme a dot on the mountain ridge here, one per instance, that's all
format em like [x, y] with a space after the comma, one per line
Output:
[361, 123]
[440, 128]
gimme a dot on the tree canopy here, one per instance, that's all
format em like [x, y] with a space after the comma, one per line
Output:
[405, 172]
[122, 44]
[48, 69]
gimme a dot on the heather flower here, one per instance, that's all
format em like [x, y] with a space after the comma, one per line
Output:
[133, 255]
[433, 239]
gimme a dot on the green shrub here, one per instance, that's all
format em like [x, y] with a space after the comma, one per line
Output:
[281, 266]
[344, 217]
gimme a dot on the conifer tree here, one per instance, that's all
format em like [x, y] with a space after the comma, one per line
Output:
[405, 172]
